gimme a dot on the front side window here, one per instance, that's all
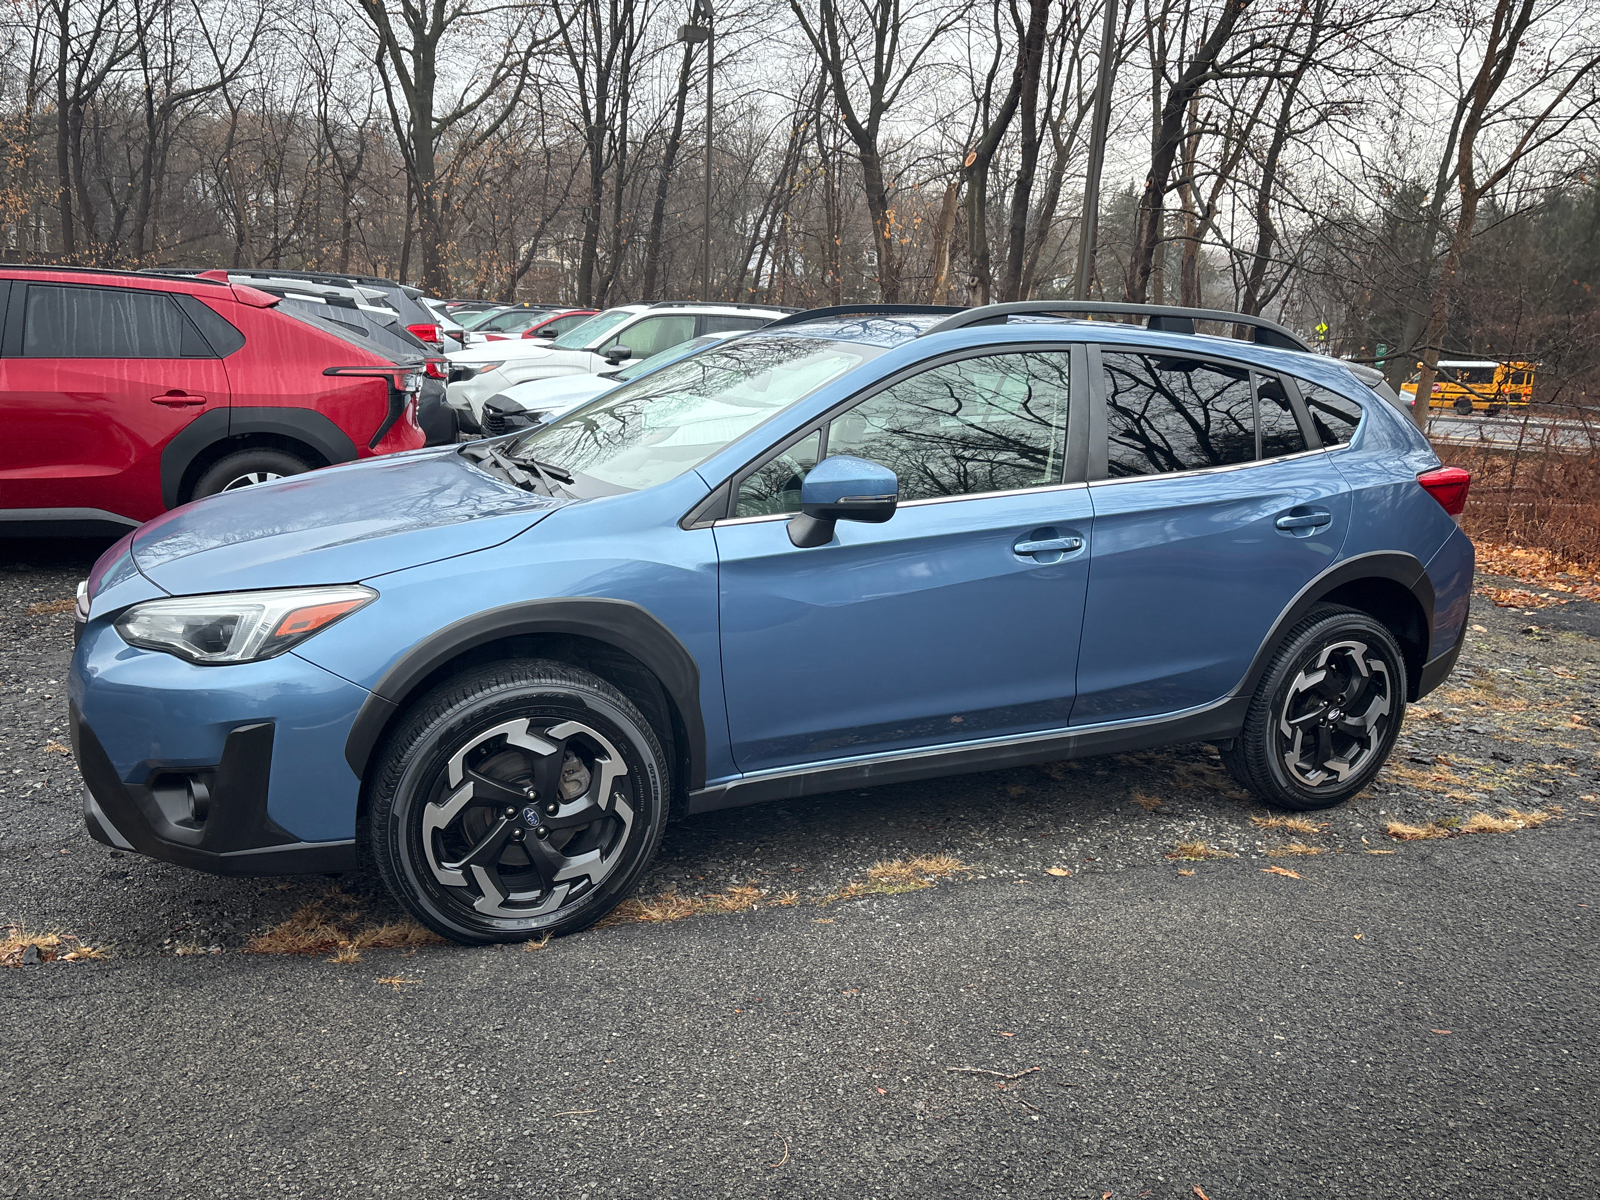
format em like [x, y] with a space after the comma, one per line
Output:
[90, 322]
[670, 421]
[1175, 414]
[1334, 417]
[989, 424]
[592, 330]
[652, 335]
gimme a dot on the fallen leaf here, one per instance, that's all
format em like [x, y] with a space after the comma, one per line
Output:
[1058, 871]
[1185, 872]
[822, 920]
[1357, 936]
[1442, 1031]
[1198, 1191]
[1003, 1033]
[881, 1092]
[1380, 851]
[1279, 871]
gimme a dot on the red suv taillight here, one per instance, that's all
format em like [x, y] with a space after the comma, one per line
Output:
[424, 333]
[436, 369]
[1447, 485]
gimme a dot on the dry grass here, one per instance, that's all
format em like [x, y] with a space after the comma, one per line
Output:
[51, 947]
[335, 924]
[1402, 832]
[1513, 820]
[1294, 848]
[883, 879]
[1196, 852]
[1533, 514]
[1294, 824]
[47, 608]
[1147, 802]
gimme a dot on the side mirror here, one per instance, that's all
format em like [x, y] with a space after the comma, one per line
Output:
[545, 333]
[842, 488]
[618, 354]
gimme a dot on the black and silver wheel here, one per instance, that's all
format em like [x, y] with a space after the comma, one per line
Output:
[246, 469]
[1326, 713]
[517, 800]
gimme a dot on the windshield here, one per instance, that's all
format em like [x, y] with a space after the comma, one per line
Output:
[514, 321]
[472, 320]
[647, 432]
[592, 329]
[671, 354]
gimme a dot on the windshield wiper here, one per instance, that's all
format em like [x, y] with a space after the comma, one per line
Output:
[540, 480]
[543, 468]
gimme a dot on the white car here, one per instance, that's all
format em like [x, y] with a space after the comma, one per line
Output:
[535, 401]
[611, 339]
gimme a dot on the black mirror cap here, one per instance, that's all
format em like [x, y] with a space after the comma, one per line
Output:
[618, 354]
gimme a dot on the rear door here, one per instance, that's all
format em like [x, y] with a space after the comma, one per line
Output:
[956, 620]
[94, 382]
[1210, 516]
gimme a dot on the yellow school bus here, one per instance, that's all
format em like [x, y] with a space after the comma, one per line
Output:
[1476, 385]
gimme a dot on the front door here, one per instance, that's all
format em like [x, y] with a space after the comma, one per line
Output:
[94, 383]
[956, 620]
[1213, 516]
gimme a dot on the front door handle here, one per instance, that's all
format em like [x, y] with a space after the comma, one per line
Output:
[1046, 546]
[1067, 544]
[1303, 521]
[177, 399]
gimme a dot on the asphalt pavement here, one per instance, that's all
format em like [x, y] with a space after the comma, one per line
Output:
[1381, 1018]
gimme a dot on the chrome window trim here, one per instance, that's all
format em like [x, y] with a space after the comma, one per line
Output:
[1028, 491]
[1255, 462]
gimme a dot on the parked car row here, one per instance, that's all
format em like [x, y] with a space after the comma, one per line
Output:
[127, 393]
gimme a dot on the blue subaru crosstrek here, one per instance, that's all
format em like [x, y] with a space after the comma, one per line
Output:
[857, 546]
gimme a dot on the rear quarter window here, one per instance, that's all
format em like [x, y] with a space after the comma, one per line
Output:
[1334, 417]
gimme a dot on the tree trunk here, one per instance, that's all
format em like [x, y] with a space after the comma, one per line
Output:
[669, 159]
[63, 137]
[944, 232]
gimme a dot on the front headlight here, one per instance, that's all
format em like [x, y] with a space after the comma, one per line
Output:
[239, 627]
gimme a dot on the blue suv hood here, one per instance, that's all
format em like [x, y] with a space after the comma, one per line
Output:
[336, 525]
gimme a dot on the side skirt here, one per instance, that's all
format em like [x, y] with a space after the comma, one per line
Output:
[1214, 722]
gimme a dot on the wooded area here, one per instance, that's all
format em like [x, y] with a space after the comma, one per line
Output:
[1417, 178]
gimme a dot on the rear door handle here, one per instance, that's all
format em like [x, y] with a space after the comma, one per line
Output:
[177, 399]
[1303, 521]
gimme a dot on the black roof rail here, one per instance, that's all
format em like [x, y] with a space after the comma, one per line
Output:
[866, 309]
[124, 271]
[721, 304]
[1163, 317]
[274, 273]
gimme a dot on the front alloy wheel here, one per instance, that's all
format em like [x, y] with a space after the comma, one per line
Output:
[517, 800]
[1325, 714]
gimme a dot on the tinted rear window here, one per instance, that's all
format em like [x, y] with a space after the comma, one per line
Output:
[89, 322]
[1334, 417]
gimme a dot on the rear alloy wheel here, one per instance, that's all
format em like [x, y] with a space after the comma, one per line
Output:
[1464, 406]
[518, 800]
[245, 469]
[1326, 713]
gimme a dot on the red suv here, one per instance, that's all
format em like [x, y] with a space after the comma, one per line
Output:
[123, 395]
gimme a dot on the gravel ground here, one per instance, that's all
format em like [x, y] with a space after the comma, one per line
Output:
[1516, 726]
[1399, 1019]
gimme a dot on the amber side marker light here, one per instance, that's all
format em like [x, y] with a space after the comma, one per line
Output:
[303, 621]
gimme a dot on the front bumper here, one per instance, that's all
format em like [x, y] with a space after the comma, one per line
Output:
[233, 769]
[209, 819]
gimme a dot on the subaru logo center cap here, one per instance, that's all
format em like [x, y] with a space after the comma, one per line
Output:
[530, 815]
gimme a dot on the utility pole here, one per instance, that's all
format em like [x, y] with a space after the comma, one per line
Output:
[1097, 154]
[693, 35]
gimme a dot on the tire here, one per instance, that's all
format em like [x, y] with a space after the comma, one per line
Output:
[1307, 685]
[459, 799]
[247, 467]
[1464, 406]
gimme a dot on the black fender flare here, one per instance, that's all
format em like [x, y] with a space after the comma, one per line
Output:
[621, 624]
[302, 424]
[1405, 569]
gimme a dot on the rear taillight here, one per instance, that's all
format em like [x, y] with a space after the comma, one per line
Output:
[1447, 485]
[424, 333]
[436, 369]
